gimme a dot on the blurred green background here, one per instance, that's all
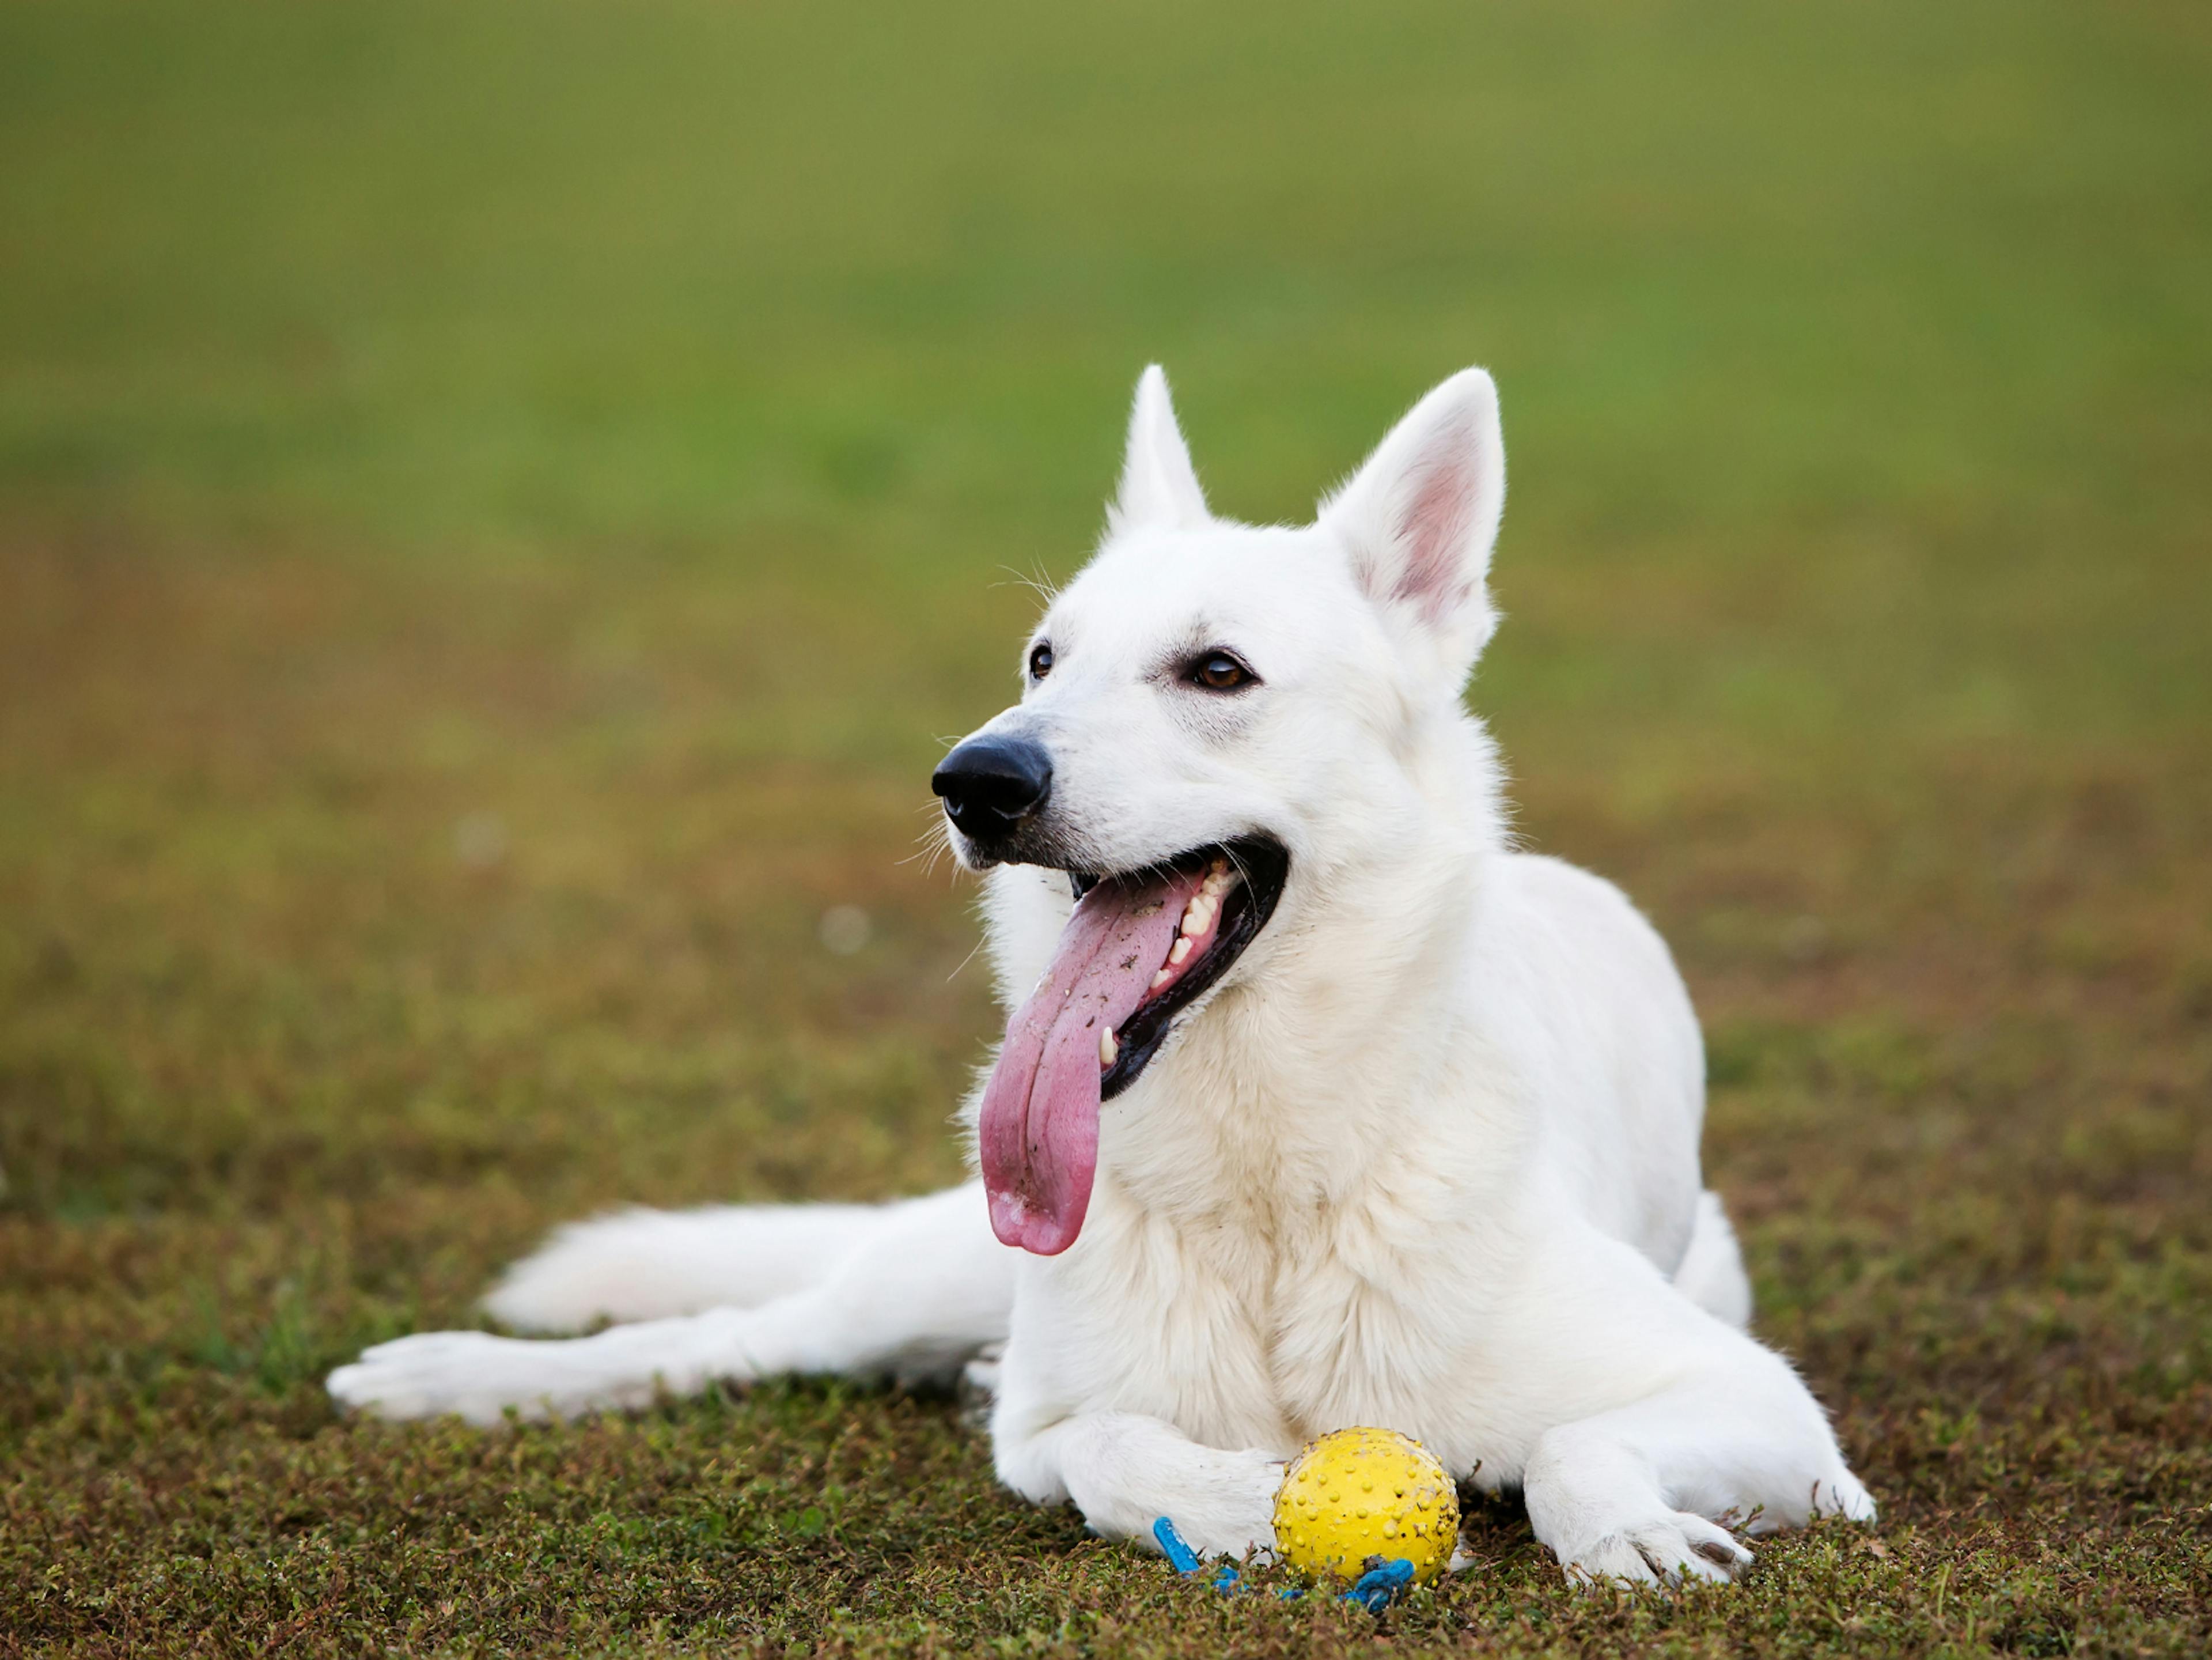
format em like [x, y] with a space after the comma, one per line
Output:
[500, 504]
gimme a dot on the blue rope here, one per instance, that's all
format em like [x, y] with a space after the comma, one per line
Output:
[1180, 1555]
[1373, 1590]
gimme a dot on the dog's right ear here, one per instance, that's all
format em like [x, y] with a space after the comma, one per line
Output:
[1159, 487]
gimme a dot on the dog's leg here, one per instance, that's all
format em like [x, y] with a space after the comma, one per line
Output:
[650, 1264]
[1124, 1471]
[1711, 1272]
[1646, 1493]
[927, 1288]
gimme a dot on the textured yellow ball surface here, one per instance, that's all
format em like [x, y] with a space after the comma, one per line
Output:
[1361, 1493]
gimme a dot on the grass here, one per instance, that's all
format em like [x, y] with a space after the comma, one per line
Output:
[497, 507]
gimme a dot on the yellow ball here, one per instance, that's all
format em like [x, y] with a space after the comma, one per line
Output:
[1360, 1493]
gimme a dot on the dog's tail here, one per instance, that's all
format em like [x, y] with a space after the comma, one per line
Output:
[649, 1265]
[1711, 1274]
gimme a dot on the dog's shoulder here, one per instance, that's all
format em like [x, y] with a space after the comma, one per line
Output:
[1574, 908]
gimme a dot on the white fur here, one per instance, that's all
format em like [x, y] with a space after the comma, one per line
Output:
[646, 1264]
[1426, 1157]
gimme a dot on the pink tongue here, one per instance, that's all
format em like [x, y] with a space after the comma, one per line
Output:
[1039, 1127]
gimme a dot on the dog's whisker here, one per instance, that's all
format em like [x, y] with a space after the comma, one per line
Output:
[961, 966]
[1238, 859]
[1035, 580]
[932, 845]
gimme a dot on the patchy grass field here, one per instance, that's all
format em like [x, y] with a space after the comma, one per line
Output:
[497, 507]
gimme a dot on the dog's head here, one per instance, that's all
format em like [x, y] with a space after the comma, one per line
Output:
[1209, 710]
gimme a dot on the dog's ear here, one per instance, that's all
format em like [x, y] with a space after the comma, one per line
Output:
[1159, 487]
[1418, 519]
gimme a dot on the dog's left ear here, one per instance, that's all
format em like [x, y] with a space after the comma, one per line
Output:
[1419, 519]
[1159, 487]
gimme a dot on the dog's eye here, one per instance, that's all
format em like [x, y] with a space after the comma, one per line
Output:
[1040, 659]
[1219, 671]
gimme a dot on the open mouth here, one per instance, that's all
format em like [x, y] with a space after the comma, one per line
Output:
[1236, 894]
[1139, 949]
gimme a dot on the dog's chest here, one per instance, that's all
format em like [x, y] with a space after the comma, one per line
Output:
[1268, 1329]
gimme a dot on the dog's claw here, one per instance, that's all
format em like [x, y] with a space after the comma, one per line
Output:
[1669, 1551]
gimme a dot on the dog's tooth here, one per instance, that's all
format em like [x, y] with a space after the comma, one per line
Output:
[1178, 951]
[1108, 1049]
[1161, 979]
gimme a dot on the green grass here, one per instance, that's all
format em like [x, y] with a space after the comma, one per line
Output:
[622, 421]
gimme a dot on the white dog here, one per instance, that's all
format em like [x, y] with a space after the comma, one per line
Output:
[1320, 1105]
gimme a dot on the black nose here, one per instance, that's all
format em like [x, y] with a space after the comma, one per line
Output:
[991, 784]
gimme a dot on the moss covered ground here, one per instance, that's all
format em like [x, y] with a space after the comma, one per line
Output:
[498, 506]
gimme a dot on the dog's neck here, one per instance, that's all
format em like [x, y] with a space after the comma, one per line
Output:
[1317, 1065]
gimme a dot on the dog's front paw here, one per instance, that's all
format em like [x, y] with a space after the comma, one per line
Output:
[1842, 1495]
[470, 1374]
[1673, 1548]
[1234, 1512]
